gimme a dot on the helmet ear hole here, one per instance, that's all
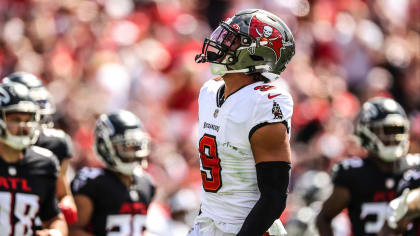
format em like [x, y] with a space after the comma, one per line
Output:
[364, 139]
[246, 41]
[104, 151]
[256, 58]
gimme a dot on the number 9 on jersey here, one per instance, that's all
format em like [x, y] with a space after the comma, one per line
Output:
[210, 163]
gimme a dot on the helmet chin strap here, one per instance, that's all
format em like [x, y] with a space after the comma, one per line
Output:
[221, 70]
[125, 168]
[392, 153]
[17, 142]
[20, 142]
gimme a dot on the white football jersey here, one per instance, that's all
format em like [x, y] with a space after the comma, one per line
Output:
[227, 164]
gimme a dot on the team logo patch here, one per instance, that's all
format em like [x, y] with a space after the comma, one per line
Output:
[276, 111]
[236, 26]
[266, 35]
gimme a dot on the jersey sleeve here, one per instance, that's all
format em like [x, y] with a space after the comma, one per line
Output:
[271, 107]
[410, 180]
[343, 172]
[84, 182]
[63, 147]
[339, 176]
[50, 208]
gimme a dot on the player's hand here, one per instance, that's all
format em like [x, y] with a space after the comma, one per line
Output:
[399, 209]
[48, 232]
[387, 231]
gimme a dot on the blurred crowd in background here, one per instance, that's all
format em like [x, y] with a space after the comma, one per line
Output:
[101, 55]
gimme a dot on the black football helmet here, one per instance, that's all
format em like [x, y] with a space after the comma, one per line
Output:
[383, 128]
[252, 41]
[38, 93]
[14, 98]
[121, 141]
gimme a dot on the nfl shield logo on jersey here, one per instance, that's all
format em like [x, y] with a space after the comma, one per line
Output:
[216, 112]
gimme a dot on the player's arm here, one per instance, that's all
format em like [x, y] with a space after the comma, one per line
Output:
[63, 187]
[338, 200]
[271, 150]
[84, 213]
[63, 148]
[63, 192]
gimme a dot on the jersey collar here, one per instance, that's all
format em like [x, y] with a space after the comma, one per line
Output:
[220, 96]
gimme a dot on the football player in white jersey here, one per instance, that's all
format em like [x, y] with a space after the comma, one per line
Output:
[244, 127]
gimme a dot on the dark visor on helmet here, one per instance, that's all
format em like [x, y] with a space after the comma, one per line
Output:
[219, 44]
[389, 134]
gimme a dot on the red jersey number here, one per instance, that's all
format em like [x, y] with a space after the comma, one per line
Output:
[210, 161]
[264, 88]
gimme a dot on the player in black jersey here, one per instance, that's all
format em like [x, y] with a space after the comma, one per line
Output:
[405, 215]
[115, 200]
[27, 173]
[365, 186]
[55, 140]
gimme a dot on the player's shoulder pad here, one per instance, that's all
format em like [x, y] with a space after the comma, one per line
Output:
[410, 179]
[43, 158]
[142, 175]
[270, 104]
[56, 133]
[42, 151]
[349, 164]
[212, 85]
[268, 93]
[344, 172]
[145, 183]
[85, 177]
[57, 141]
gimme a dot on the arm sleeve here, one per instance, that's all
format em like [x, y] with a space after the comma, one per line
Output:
[273, 182]
[271, 110]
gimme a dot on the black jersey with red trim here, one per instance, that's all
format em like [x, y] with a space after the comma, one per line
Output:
[370, 192]
[117, 209]
[27, 192]
[57, 141]
[411, 180]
